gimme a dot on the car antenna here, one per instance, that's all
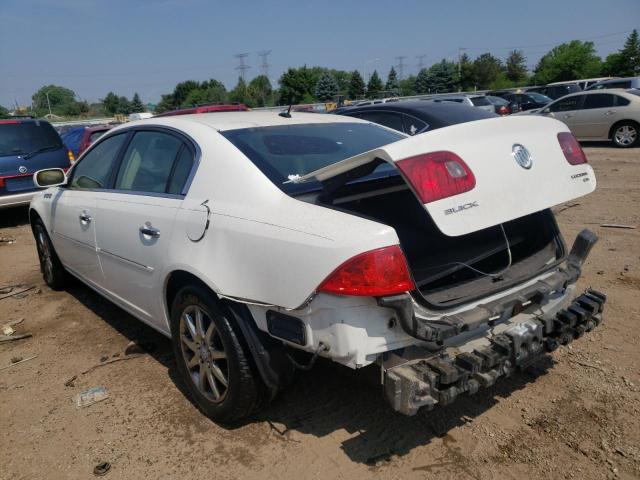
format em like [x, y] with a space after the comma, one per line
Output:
[286, 114]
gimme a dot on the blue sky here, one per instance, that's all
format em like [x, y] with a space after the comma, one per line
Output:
[148, 46]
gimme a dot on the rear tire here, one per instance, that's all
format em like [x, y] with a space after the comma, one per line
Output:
[211, 358]
[625, 134]
[52, 270]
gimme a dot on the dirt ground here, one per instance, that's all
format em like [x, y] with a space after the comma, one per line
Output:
[575, 414]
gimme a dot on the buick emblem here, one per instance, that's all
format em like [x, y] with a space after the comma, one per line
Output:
[522, 156]
[22, 169]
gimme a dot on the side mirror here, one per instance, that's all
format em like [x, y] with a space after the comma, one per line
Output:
[50, 177]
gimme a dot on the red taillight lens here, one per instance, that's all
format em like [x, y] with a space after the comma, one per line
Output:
[503, 110]
[571, 148]
[437, 175]
[371, 274]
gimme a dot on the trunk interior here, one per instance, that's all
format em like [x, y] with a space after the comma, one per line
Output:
[450, 270]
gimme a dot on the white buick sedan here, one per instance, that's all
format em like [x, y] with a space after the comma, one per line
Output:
[260, 241]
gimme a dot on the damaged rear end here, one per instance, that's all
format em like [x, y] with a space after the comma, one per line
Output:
[491, 283]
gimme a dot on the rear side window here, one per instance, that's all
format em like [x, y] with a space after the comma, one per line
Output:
[599, 100]
[148, 162]
[94, 169]
[181, 171]
[412, 125]
[480, 101]
[388, 119]
[20, 138]
[566, 104]
[621, 101]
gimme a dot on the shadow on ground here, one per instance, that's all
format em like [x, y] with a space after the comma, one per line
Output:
[14, 216]
[332, 397]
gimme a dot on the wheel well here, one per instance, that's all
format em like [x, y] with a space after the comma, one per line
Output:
[618, 123]
[33, 217]
[177, 280]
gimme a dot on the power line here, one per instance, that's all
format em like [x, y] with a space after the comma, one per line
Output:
[242, 66]
[421, 61]
[400, 66]
[264, 64]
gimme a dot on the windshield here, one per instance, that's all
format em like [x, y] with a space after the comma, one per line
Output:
[480, 101]
[496, 100]
[25, 137]
[283, 152]
[539, 98]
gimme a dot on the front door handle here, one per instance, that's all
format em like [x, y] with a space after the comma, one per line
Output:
[85, 217]
[610, 112]
[569, 115]
[150, 231]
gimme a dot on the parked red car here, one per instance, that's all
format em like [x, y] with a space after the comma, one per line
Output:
[238, 107]
[90, 135]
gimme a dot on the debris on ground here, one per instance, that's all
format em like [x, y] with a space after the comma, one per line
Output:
[7, 330]
[21, 293]
[567, 206]
[7, 240]
[616, 225]
[101, 469]
[18, 362]
[69, 382]
[91, 396]
[135, 347]
[108, 362]
[12, 338]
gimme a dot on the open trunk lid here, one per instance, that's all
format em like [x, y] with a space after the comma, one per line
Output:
[504, 189]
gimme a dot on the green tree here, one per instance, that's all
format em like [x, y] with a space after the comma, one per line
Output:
[241, 94]
[209, 91]
[296, 86]
[110, 103]
[485, 69]
[516, 67]
[392, 86]
[374, 86]
[60, 98]
[422, 83]
[466, 79]
[136, 104]
[625, 62]
[4, 113]
[407, 86]
[441, 77]
[356, 86]
[261, 91]
[326, 88]
[568, 61]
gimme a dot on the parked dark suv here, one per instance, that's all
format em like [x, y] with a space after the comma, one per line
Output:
[27, 145]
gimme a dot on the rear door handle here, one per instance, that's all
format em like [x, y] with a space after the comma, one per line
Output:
[150, 231]
[610, 112]
[569, 115]
[85, 217]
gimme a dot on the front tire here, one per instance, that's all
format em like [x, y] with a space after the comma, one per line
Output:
[625, 135]
[211, 358]
[52, 270]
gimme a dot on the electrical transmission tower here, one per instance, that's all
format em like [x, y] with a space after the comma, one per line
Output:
[400, 67]
[242, 66]
[264, 63]
[421, 61]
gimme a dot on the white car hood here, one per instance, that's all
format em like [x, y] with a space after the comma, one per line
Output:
[504, 190]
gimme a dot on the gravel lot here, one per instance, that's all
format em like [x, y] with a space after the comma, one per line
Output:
[575, 414]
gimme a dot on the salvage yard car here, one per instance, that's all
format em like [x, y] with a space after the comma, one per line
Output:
[260, 241]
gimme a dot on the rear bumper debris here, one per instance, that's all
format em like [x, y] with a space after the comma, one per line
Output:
[438, 380]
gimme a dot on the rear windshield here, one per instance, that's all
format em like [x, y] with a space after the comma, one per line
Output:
[480, 101]
[283, 152]
[539, 98]
[26, 137]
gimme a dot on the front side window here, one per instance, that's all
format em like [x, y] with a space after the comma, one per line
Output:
[148, 162]
[93, 170]
[566, 104]
[599, 100]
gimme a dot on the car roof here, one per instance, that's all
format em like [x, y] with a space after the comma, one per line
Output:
[624, 91]
[223, 121]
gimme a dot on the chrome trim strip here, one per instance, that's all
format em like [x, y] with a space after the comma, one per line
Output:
[73, 240]
[126, 260]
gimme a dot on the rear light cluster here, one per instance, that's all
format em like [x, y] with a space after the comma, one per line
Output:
[437, 175]
[571, 148]
[371, 274]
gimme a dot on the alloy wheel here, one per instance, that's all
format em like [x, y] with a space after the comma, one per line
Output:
[203, 353]
[625, 135]
[44, 253]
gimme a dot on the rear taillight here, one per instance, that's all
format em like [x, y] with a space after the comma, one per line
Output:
[71, 157]
[571, 148]
[372, 274]
[503, 110]
[437, 175]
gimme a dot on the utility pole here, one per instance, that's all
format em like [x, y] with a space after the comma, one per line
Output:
[400, 66]
[242, 66]
[421, 61]
[264, 64]
[48, 103]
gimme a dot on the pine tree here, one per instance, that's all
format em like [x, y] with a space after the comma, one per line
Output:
[422, 82]
[326, 88]
[356, 86]
[630, 56]
[392, 87]
[136, 105]
[516, 66]
[375, 86]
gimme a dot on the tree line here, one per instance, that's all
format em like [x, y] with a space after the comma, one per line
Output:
[568, 61]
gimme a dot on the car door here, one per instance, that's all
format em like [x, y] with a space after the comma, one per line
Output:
[73, 210]
[565, 110]
[595, 117]
[137, 218]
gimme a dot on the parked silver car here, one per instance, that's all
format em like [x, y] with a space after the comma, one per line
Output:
[628, 82]
[479, 101]
[600, 115]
